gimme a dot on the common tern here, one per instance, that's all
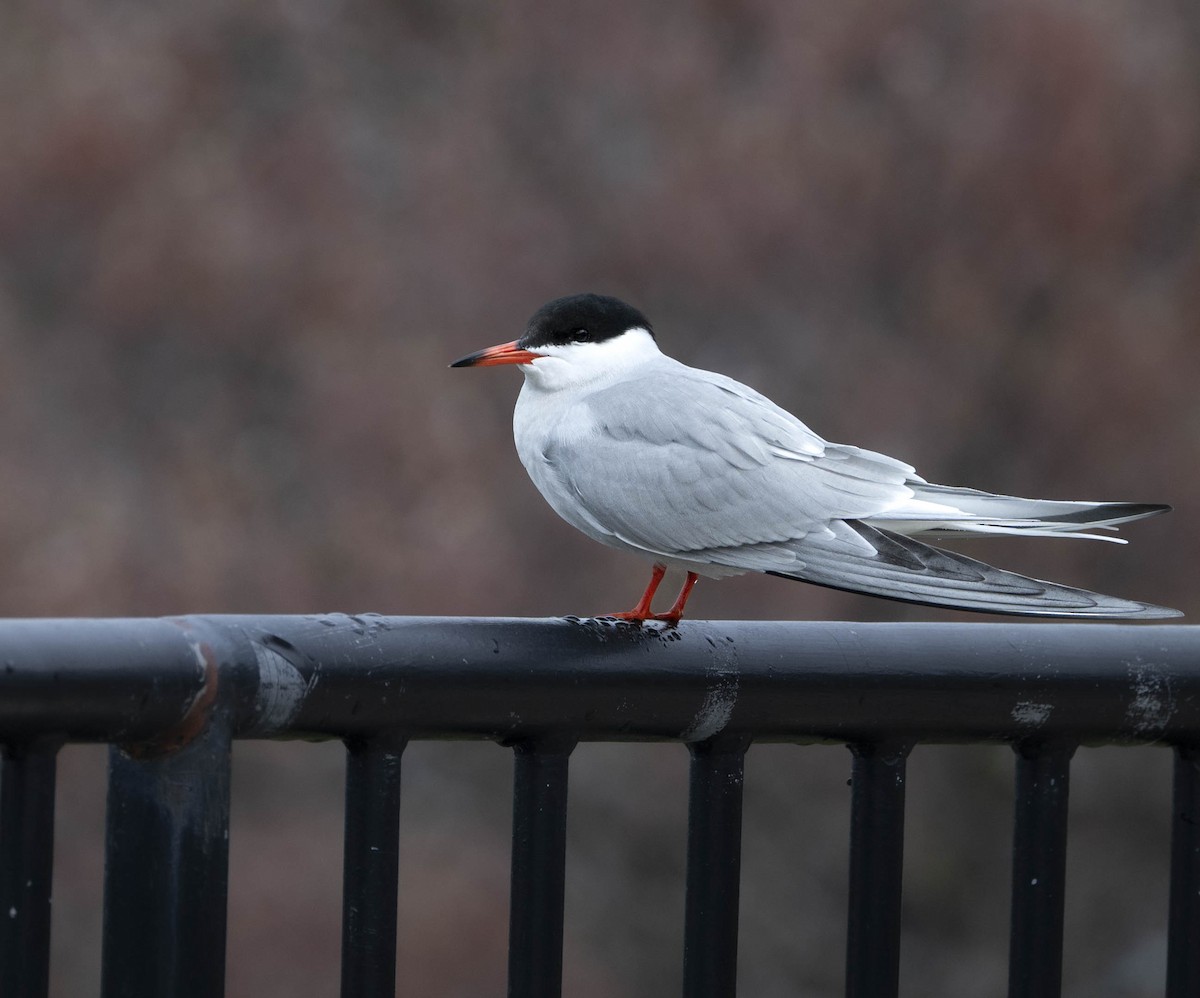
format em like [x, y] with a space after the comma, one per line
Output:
[698, 472]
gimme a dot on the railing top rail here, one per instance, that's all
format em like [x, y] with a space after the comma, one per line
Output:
[159, 679]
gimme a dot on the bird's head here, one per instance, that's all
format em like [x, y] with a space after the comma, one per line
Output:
[573, 340]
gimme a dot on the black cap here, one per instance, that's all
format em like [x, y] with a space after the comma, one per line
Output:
[586, 318]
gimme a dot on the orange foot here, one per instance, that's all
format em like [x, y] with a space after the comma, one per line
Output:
[642, 612]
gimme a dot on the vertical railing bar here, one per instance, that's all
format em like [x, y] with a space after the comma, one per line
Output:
[26, 867]
[371, 867]
[714, 858]
[1039, 870]
[1183, 924]
[539, 854]
[166, 870]
[876, 869]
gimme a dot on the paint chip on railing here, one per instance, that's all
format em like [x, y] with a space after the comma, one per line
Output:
[1031, 713]
[281, 688]
[1153, 701]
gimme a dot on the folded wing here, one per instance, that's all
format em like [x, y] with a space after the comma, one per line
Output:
[683, 465]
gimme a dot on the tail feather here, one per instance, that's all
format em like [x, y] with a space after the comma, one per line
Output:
[902, 568]
[941, 510]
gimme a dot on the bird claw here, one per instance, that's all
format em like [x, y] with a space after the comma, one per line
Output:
[634, 617]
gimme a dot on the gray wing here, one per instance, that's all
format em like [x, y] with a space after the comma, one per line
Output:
[687, 463]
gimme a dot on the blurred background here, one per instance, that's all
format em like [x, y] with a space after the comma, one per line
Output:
[240, 241]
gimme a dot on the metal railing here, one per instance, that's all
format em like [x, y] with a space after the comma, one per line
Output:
[170, 695]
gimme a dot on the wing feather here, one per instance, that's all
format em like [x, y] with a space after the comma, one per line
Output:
[715, 466]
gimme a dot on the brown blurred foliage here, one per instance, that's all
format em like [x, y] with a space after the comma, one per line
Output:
[239, 242]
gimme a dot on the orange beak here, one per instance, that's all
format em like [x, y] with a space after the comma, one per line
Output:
[505, 353]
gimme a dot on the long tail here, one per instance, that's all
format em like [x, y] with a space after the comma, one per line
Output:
[898, 567]
[941, 510]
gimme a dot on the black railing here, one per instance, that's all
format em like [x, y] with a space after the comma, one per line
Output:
[171, 695]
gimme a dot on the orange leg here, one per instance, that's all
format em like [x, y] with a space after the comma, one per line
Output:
[643, 611]
[674, 615]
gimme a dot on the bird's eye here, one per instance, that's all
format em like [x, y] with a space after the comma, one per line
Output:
[579, 335]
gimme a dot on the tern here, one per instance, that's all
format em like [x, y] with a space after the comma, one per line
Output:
[696, 471]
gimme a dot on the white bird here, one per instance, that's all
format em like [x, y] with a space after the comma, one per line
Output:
[698, 472]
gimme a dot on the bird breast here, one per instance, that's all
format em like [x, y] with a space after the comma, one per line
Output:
[545, 426]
